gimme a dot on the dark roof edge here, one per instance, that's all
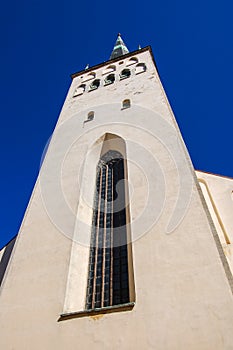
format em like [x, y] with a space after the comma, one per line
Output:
[209, 173]
[147, 48]
[9, 241]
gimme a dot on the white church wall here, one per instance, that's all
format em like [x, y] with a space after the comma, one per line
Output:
[183, 297]
[217, 191]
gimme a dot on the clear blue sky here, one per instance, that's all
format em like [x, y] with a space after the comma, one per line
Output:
[43, 42]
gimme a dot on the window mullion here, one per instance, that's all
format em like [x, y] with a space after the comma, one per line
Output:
[97, 239]
[111, 241]
[104, 235]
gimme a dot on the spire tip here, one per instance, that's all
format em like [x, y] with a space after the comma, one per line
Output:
[119, 48]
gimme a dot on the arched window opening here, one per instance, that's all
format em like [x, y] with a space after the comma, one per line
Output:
[79, 90]
[132, 60]
[89, 76]
[94, 85]
[110, 79]
[126, 104]
[109, 69]
[108, 276]
[140, 68]
[125, 74]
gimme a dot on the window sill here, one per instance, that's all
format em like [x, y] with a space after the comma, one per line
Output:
[96, 312]
[106, 84]
[143, 71]
[81, 93]
[124, 77]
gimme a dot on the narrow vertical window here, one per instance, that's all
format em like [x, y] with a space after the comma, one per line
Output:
[108, 276]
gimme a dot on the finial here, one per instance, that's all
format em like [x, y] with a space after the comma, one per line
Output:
[119, 34]
[139, 47]
[87, 66]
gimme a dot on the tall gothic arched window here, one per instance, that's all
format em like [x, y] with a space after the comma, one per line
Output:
[108, 276]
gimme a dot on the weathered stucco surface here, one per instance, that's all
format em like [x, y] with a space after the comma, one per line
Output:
[183, 296]
[218, 193]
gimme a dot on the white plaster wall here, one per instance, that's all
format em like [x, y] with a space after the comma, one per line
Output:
[217, 191]
[183, 296]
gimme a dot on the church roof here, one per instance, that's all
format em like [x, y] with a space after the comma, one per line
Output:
[119, 48]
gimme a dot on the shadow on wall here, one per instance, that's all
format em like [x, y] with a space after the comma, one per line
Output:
[6, 257]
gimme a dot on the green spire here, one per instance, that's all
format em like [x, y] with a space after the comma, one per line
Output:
[119, 48]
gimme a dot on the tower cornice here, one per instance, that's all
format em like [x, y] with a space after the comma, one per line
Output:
[133, 53]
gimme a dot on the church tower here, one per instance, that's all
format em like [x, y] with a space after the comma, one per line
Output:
[117, 248]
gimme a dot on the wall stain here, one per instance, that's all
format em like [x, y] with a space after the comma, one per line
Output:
[97, 317]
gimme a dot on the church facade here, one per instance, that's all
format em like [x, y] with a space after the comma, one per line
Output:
[123, 244]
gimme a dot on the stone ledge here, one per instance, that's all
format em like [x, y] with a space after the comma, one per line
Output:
[96, 312]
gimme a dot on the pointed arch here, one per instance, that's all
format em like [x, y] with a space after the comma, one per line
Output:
[110, 272]
[81, 293]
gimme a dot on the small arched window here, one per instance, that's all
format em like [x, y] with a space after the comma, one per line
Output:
[140, 68]
[94, 85]
[79, 90]
[126, 104]
[132, 60]
[109, 69]
[110, 79]
[125, 74]
[89, 76]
